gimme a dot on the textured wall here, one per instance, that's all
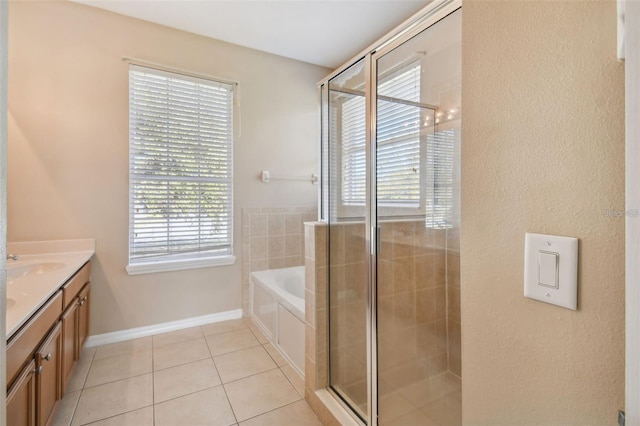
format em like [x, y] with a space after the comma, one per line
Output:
[543, 151]
[68, 146]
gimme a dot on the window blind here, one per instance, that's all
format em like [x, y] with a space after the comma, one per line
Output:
[440, 184]
[180, 167]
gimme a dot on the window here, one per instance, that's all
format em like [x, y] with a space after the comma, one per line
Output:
[414, 159]
[180, 171]
[398, 139]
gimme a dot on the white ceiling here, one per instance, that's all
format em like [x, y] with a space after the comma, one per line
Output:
[321, 32]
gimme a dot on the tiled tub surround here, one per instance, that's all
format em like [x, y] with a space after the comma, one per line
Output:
[418, 344]
[272, 238]
[218, 374]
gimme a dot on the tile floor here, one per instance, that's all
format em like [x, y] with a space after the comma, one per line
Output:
[218, 374]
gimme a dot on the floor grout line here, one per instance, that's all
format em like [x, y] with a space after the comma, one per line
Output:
[235, 416]
[115, 415]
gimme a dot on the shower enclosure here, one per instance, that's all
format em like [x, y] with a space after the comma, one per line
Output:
[390, 198]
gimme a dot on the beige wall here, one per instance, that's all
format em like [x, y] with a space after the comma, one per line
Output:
[543, 151]
[68, 146]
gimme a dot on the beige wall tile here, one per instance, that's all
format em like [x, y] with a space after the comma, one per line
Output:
[320, 246]
[258, 225]
[259, 248]
[310, 342]
[322, 376]
[276, 246]
[276, 224]
[309, 274]
[310, 373]
[453, 303]
[293, 224]
[426, 305]
[276, 262]
[321, 288]
[292, 244]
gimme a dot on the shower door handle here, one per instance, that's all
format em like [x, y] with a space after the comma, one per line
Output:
[375, 240]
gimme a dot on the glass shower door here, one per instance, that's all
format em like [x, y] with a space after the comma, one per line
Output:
[345, 202]
[390, 198]
[416, 141]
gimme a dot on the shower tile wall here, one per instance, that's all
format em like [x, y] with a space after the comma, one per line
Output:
[418, 306]
[348, 281]
[272, 238]
[412, 304]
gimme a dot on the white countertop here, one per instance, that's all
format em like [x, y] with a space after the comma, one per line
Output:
[60, 260]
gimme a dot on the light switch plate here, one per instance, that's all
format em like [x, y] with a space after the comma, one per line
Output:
[538, 270]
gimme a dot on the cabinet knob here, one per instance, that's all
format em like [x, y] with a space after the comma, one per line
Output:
[38, 370]
[48, 357]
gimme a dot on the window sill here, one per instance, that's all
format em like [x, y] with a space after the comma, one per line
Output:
[178, 265]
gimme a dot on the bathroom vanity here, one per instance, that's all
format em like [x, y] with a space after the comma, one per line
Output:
[48, 299]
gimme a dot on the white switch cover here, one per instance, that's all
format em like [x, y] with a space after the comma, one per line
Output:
[551, 269]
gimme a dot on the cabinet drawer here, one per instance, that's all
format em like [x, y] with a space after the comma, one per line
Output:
[23, 344]
[75, 284]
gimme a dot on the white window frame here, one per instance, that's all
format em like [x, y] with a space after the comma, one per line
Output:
[176, 258]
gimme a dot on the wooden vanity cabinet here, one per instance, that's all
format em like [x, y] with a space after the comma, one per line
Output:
[21, 398]
[48, 376]
[41, 356]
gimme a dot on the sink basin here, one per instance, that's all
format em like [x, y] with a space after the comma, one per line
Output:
[37, 268]
[10, 303]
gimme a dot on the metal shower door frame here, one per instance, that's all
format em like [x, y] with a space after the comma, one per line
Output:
[430, 15]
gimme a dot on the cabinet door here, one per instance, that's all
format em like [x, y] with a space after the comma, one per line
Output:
[69, 342]
[21, 398]
[83, 316]
[49, 378]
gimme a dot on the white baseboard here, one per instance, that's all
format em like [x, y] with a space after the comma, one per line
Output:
[134, 333]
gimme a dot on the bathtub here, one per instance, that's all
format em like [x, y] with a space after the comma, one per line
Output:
[276, 305]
